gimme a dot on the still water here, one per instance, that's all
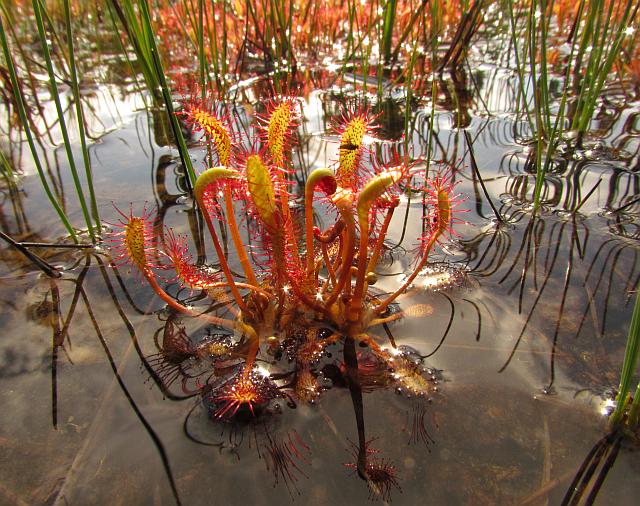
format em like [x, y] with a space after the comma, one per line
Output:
[520, 346]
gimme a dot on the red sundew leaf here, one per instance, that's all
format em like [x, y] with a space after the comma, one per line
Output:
[262, 192]
[277, 127]
[131, 240]
[353, 128]
[381, 474]
[328, 185]
[189, 274]
[204, 115]
[441, 200]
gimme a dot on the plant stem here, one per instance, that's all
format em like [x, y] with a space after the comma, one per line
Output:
[63, 126]
[168, 100]
[629, 366]
[80, 118]
[44, 266]
[27, 130]
[237, 240]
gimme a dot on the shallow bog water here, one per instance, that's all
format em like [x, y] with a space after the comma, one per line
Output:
[526, 341]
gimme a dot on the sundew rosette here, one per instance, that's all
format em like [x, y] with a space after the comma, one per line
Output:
[294, 275]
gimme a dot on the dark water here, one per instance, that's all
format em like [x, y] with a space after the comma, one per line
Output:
[527, 339]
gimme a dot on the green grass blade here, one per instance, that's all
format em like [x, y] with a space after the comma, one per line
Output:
[125, 52]
[166, 94]
[61, 120]
[27, 130]
[202, 64]
[515, 36]
[7, 171]
[389, 17]
[80, 117]
[629, 366]
[634, 409]
[135, 34]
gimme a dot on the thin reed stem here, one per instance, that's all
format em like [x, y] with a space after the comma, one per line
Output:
[81, 121]
[166, 94]
[629, 367]
[20, 106]
[63, 125]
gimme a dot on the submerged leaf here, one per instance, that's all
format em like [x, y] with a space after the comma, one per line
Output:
[419, 310]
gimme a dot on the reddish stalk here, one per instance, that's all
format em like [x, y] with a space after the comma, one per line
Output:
[425, 256]
[343, 199]
[325, 179]
[214, 320]
[371, 191]
[237, 241]
[375, 256]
